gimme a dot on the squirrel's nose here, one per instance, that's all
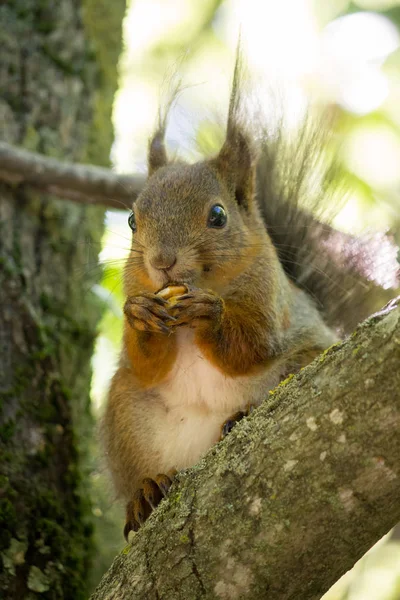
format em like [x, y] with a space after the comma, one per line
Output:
[163, 261]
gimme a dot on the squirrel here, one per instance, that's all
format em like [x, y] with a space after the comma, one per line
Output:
[253, 288]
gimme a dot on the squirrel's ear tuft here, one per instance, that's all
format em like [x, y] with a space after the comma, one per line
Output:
[157, 154]
[236, 162]
[236, 165]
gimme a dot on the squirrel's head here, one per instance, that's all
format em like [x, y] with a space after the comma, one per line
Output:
[195, 224]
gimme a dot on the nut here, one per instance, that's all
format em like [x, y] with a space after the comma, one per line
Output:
[171, 293]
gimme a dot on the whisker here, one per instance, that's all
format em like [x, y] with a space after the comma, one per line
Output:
[123, 205]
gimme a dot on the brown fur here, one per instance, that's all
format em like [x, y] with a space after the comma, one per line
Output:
[151, 355]
[252, 320]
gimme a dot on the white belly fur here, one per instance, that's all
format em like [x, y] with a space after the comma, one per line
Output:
[198, 398]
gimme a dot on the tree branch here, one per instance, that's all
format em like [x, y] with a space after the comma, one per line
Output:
[80, 183]
[295, 495]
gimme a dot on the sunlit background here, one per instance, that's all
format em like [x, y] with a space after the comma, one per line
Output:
[343, 53]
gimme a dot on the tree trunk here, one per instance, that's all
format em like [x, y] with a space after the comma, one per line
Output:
[294, 496]
[58, 78]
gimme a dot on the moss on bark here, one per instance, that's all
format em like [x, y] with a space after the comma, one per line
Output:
[53, 76]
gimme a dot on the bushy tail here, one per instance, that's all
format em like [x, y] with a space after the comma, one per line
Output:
[299, 189]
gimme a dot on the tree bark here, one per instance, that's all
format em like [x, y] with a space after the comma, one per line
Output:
[81, 183]
[57, 88]
[297, 493]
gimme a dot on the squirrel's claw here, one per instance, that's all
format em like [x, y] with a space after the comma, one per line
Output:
[164, 482]
[230, 423]
[151, 493]
[148, 313]
[145, 500]
[197, 307]
[131, 523]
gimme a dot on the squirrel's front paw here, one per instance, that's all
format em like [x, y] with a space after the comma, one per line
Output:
[145, 501]
[198, 307]
[148, 313]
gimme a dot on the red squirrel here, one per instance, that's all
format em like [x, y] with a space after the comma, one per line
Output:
[252, 293]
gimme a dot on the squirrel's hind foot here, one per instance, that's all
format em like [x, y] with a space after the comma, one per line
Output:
[145, 500]
[230, 423]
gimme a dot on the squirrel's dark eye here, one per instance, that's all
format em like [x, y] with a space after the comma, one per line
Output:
[132, 222]
[217, 217]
